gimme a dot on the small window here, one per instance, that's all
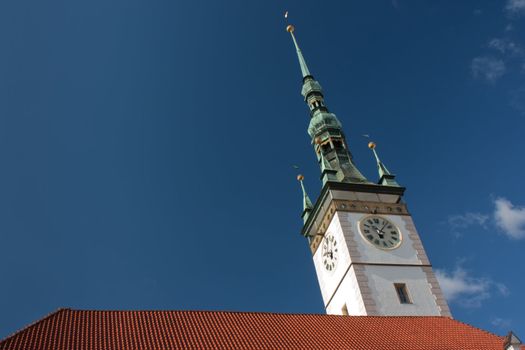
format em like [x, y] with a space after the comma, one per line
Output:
[344, 310]
[338, 144]
[402, 293]
[326, 147]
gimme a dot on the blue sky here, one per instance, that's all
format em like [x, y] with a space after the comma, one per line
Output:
[147, 147]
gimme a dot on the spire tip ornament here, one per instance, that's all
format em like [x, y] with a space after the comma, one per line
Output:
[300, 177]
[371, 145]
[290, 28]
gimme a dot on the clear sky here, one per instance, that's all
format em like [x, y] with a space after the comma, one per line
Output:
[146, 148]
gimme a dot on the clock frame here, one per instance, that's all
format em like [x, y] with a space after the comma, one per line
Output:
[329, 251]
[380, 232]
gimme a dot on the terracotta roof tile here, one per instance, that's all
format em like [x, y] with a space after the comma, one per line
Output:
[152, 330]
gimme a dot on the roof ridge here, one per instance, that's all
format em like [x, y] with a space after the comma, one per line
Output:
[23, 329]
[204, 311]
[255, 312]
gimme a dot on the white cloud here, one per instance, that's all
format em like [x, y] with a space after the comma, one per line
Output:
[502, 289]
[510, 219]
[458, 223]
[488, 67]
[506, 46]
[468, 219]
[466, 290]
[501, 322]
[515, 6]
[459, 287]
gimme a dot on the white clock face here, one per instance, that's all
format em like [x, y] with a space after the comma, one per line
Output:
[380, 232]
[329, 252]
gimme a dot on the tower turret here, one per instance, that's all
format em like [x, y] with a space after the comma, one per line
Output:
[328, 139]
[307, 203]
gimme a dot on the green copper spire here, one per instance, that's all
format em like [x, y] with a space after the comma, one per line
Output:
[307, 203]
[302, 62]
[327, 135]
[386, 178]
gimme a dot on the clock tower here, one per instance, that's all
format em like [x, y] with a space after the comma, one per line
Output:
[367, 252]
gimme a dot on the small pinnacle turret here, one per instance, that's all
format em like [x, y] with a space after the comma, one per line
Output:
[328, 139]
[307, 203]
[385, 177]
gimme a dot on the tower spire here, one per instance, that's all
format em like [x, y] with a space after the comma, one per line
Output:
[328, 139]
[385, 176]
[304, 68]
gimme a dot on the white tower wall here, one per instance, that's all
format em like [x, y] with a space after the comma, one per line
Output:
[363, 281]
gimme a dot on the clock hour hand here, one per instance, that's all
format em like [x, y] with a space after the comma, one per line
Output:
[381, 229]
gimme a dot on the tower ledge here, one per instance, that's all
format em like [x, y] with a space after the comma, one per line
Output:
[367, 197]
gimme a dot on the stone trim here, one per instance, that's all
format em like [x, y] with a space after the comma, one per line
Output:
[436, 291]
[416, 240]
[427, 268]
[366, 292]
[349, 236]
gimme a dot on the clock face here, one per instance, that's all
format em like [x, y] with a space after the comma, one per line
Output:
[329, 252]
[380, 232]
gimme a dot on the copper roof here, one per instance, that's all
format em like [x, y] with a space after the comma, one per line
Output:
[152, 330]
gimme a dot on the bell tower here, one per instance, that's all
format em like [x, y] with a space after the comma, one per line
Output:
[367, 253]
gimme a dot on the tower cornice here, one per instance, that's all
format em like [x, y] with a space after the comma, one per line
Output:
[322, 201]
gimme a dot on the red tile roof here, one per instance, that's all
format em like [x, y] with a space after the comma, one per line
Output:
[152, 330]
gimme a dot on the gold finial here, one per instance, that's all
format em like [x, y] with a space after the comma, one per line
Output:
[290, 28]
[371, 145]
[300, 177]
